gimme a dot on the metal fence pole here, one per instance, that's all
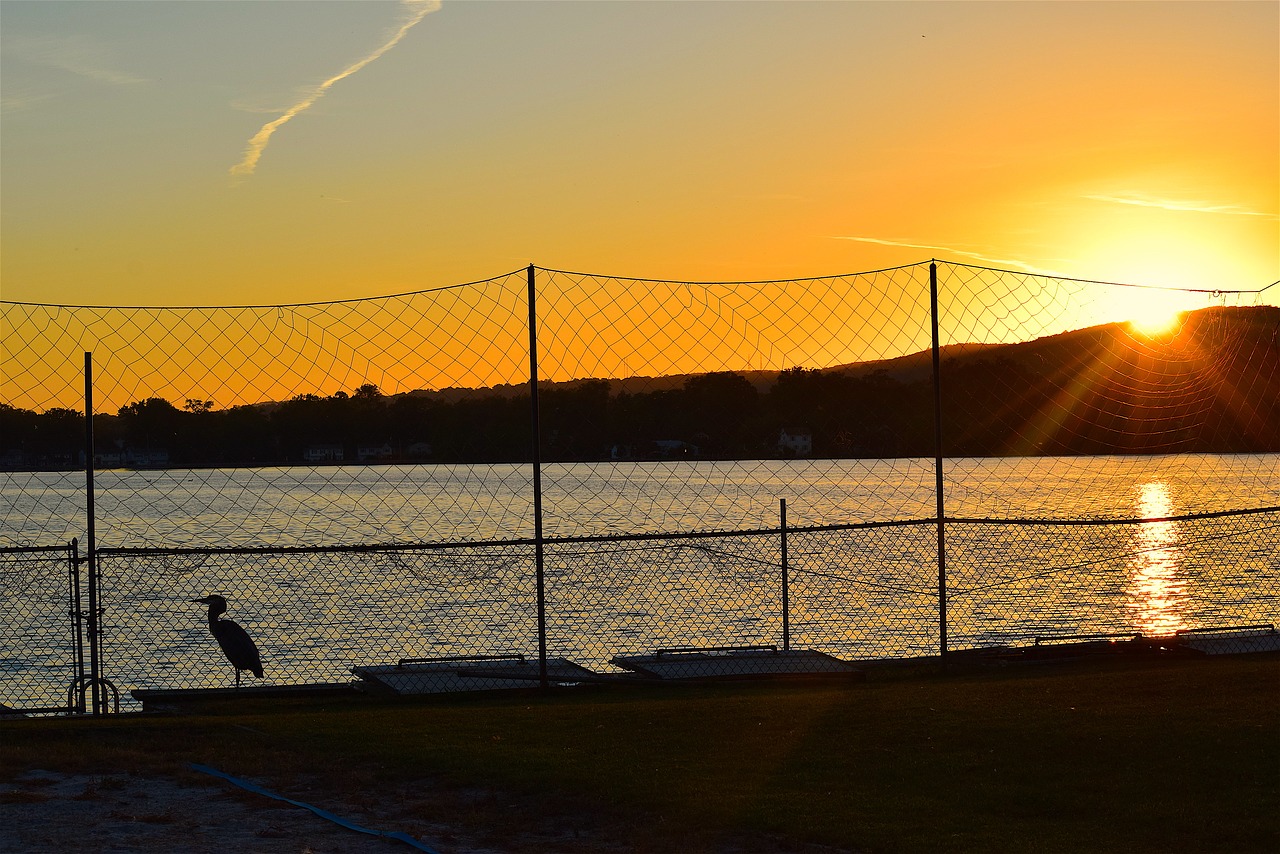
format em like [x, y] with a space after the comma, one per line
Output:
[937, 467]
[786, 580]
[537, 481]
[91, 545]
[77, 634]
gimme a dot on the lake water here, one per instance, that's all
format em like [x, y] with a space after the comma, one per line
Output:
[346, 505]
[859, 593]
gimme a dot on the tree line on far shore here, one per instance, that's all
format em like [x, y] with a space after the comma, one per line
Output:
[1214, 387]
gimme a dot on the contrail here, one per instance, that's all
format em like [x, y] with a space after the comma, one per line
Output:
[974, 255]
[419, 9]
[1176, 205]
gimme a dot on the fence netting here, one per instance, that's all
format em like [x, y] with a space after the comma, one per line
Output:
[365, 480]
[1153, 379]
[264, 425]
[42, 658]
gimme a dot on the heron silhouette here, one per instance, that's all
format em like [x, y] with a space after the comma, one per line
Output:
[236, 644]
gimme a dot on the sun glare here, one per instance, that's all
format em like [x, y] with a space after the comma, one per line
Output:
[1151, 312]
[1155, 321]
[1157, 582]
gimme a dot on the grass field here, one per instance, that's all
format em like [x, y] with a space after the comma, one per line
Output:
[1106, 756]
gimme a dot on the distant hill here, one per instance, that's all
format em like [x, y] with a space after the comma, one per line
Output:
[1213, 384]
[901, 368]
[1255, 323]
[1210, 386]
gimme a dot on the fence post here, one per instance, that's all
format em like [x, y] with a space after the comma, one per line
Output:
[91, 545]
[77, 634]
[937, 467]
[786, 580]
[537, 482]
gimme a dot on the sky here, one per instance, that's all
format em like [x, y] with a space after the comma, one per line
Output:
[211, 153]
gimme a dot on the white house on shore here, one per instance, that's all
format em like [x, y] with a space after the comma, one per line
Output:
[675, 448]
[373, 453]
[146, 457]
[323, 454]
[796, 441]
[121, 456]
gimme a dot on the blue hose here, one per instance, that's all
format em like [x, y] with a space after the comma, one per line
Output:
[245, 784]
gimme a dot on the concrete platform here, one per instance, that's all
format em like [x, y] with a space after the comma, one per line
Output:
[469, 673]
[734, 663]
[1230, 641]
[160, 699]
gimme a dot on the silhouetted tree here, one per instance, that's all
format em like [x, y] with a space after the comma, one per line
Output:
[721, 411]
[152, 424]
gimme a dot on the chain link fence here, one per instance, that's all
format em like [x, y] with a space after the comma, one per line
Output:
[556, 466]
[42, 661]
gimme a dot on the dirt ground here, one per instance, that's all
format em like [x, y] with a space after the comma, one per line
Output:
[44, 811]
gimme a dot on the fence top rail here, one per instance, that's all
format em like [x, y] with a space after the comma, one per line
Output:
[1185, 517]
[638, 537]
[22, 550]
[657, 535]
[141, 551]
[1036, 273]
[370, 298]
[359, 548]
[714, 282]
[1041, 274]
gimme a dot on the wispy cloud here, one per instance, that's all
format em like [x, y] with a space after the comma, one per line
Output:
[13, 103]
[100, 73]
[76, 54]
[1178, 205]
[418, 9]
[950, 250]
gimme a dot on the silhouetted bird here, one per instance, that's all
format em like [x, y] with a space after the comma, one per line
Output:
[236, 644]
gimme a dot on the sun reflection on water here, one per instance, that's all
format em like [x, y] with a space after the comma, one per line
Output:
[1157, 586]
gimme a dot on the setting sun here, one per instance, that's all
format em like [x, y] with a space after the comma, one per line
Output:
[1150, 312]
[1155, 321]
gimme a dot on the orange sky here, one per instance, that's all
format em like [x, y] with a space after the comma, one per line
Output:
[423, 146]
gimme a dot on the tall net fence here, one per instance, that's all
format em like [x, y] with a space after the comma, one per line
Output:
[375, 480]
[257, 425]
[1153, 379]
